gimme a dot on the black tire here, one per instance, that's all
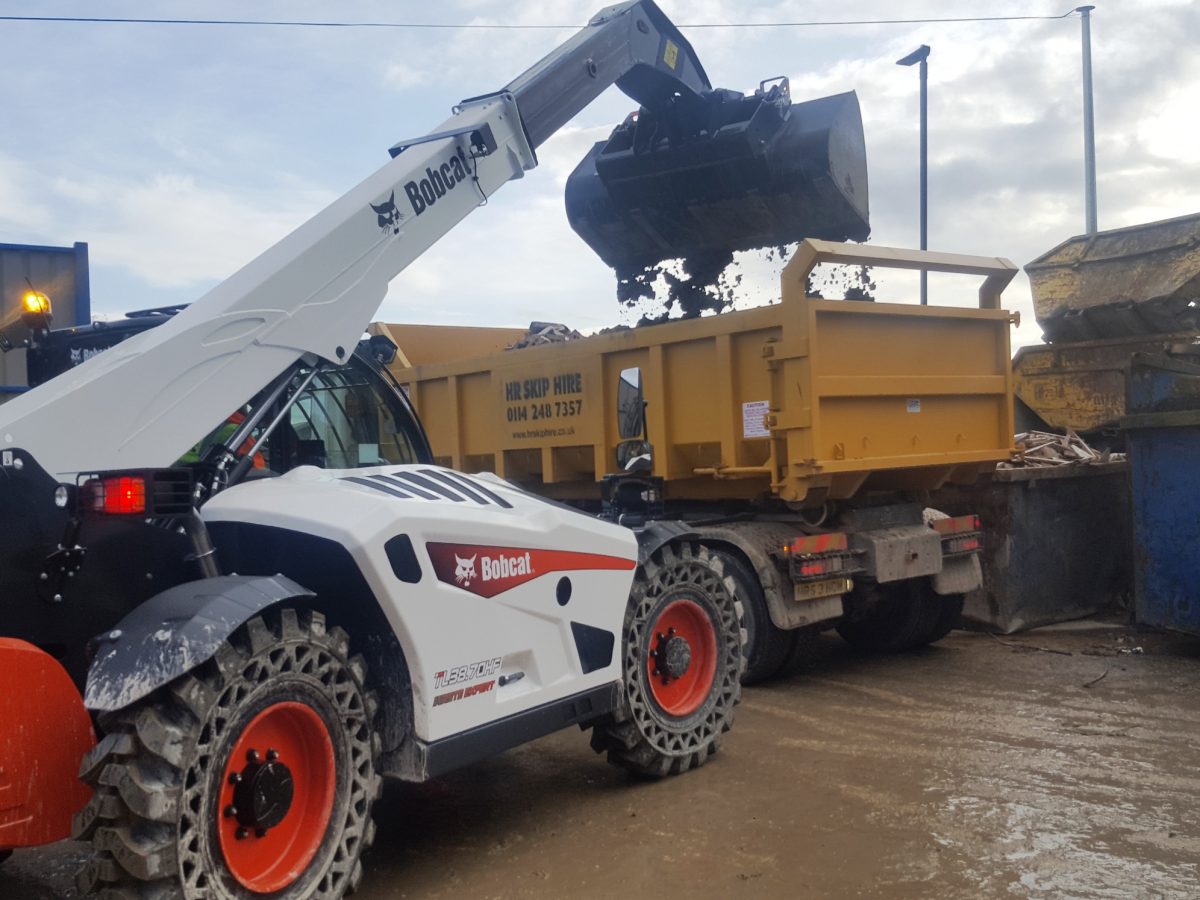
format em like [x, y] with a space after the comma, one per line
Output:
[767, 645]
[899, 616]
[641, 735]
[803, 648]
[159, 774]
[951, 612]
[4, 854]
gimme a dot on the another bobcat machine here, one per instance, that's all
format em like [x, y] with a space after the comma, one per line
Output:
[266, 646]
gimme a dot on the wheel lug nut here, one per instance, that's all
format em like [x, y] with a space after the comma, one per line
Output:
[241, 834]
[260, 832]
[235, 778]
[272, 755]
[656, 671]
[661, 636]
[671, 632]
[252, 756]
[230, 811]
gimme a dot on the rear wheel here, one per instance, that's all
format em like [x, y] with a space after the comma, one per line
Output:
[682, 664]
[254, 775]
[900, 616]
[951, 606]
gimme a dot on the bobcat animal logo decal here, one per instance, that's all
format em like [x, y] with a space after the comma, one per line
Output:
[465, 570]
[389, 216]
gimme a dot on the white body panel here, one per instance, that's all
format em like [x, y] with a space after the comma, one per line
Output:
[148, 400]
[441, 625]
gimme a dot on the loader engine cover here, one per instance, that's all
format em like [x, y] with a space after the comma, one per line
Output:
[731, 172]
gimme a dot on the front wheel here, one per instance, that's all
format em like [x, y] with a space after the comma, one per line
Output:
[682, 665]
[767, 645]
[253, 776]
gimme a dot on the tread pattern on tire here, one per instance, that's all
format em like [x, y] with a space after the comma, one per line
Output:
[636, 736]
[148, 771]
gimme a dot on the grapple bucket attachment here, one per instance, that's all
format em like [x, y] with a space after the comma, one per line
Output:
[730, 173]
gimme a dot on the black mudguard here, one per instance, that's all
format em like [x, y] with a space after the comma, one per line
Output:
[174, 632]
[654, 535]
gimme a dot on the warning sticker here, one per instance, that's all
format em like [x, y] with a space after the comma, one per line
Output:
[754, 419]
[671, 54]
[914, 406]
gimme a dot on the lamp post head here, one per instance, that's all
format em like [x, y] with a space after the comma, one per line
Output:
[919, 55]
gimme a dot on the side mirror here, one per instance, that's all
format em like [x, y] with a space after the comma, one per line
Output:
[635, 456]
[631, 405]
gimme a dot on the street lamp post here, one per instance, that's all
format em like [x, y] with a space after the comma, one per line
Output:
[1089, 122]
[921, 55]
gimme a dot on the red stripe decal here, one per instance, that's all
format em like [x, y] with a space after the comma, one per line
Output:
[488, 571]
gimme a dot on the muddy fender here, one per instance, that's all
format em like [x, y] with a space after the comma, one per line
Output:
[176, 631]
[654, 536]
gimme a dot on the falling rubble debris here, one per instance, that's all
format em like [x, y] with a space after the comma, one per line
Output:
[705, 284]
[710, 284]
[1045, 449]
[540, 333]
[845, 283]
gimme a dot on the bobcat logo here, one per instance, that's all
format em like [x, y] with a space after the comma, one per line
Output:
[465, 571]
[389, 215]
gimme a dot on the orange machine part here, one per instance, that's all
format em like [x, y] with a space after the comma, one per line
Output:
[44, 733]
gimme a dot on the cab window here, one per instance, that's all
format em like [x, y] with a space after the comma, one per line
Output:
[340, 422]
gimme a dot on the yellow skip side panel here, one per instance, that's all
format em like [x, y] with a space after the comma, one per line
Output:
[805, 398]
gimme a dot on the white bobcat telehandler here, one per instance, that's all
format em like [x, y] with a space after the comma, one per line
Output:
[323, 629]
[267, 645]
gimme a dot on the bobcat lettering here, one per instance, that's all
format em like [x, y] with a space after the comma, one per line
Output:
[506, 567]
[427, 191]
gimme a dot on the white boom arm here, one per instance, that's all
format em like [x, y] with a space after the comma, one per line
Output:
[145, 402]
[148, 400]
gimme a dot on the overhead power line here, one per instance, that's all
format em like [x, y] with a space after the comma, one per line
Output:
[104, 20]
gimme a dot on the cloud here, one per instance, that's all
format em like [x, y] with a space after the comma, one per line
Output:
[179, 154]
[174, 231]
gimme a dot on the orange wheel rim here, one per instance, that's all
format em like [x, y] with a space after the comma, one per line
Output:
[277, 795]
[682, 658]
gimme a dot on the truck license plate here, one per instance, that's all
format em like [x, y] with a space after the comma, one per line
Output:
[826, 587]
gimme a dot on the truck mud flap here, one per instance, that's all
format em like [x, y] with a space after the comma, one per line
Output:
[176, 631]
[959, 575]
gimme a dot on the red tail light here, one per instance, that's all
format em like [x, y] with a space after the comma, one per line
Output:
[817, 543]
[956, 525]
[119, 496]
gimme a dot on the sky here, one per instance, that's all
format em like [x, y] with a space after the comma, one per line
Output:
[178, 153]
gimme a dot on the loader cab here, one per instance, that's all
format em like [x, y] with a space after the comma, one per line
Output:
[345, 417]
[351, 415]
[348, 416]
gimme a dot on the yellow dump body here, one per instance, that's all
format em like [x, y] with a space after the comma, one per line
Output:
[419, 345]
[805, 399]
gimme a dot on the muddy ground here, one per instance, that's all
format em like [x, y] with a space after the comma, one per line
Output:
[1056, 763]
